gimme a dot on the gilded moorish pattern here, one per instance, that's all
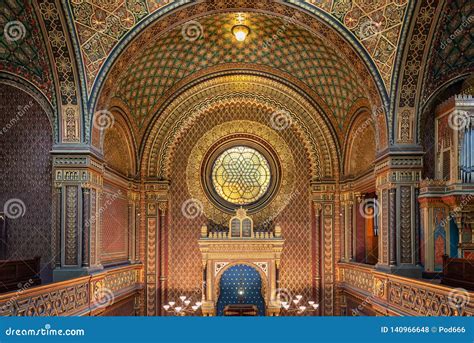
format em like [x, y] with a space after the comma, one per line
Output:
[100, 26]
[184, 263]
[22, 49]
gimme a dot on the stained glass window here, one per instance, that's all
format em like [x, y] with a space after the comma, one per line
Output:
[241, 175]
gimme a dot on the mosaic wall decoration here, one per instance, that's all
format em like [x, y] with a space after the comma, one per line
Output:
[452, 52]
[22, 49]
[100, 26]
[26, 140]
[165, 61]
[376, 24]
[114, 235]
[184, 264]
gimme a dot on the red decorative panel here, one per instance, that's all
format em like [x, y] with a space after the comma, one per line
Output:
[26, 141]
[114, 237]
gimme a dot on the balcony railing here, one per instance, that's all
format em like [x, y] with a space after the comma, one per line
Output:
[398, 295]
[88, 295]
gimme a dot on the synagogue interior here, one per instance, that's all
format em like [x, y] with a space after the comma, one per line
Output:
[237, 158]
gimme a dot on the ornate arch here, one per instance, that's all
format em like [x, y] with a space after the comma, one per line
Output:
[117, 143]
[185, 109]
[323, 27]
[412, 67]
[217, 280]
[360, 147]
[72, 121]
[32, 90]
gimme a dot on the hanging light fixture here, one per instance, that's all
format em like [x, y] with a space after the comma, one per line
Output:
[240, 30]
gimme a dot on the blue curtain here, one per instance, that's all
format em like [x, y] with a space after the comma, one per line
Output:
[241, 284]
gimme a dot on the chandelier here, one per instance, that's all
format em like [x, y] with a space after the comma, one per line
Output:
[183, 307]
[297, 305]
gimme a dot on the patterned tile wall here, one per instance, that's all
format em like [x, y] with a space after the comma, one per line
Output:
[184, 263]
[26, 141]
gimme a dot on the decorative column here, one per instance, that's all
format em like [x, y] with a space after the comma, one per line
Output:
[350, 229]
[133, 196]
[156, 194]
[317, 208]
[324, 195]
[78, 182]
[347, 229]
[397, 181]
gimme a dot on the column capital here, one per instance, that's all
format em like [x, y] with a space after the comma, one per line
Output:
[401, 162]
[157, 191]
[82, 169]
[323, 190]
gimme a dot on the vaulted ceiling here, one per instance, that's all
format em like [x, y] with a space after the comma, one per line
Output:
[101, 25]
[88, 54]
[158, 63]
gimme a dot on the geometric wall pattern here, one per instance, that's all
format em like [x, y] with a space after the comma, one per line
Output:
[167, 59]
[452, 51]
[114, 235]
[25, 141]
[375, 24]
[22, 49]
[101, 24]
[184, 263]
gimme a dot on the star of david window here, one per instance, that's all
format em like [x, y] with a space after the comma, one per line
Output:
[241, 175]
